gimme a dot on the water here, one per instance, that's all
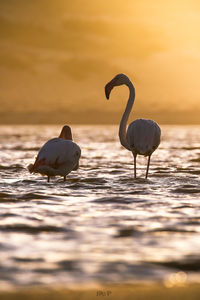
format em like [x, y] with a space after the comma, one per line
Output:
[100, 225]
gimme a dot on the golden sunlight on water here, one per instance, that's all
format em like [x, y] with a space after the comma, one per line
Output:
[100, 225]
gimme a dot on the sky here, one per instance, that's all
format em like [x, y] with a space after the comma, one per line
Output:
[57, 56]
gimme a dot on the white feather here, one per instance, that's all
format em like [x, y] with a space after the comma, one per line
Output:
[65, 153]
[143, 136]
[58, 156]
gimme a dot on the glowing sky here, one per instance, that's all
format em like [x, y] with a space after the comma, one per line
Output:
[56, 56]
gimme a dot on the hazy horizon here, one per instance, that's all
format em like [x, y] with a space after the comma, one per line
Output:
[56, 57]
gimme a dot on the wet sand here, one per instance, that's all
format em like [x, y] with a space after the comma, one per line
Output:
[114, 292]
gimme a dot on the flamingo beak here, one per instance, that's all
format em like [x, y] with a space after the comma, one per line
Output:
[108, 88]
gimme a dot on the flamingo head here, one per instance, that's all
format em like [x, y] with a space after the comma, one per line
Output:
[66, 133]
[119, 79]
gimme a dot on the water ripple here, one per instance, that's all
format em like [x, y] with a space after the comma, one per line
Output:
[101, 225]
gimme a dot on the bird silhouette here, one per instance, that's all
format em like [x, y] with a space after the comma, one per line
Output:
[58, 156]
[142, 136]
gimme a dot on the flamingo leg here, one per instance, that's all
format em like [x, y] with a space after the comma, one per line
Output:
[65, 178]
[48, 179]
[148, 163]
[135, 155]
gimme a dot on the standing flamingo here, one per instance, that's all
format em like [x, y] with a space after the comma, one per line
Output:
[58, 156]
[142, 136]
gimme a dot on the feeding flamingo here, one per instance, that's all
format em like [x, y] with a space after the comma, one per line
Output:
[58, 156]
[142, 136]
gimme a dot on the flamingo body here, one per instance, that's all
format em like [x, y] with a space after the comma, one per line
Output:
[143, 136]
[58, 156]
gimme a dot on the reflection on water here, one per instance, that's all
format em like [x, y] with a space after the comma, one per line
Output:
[101, 224]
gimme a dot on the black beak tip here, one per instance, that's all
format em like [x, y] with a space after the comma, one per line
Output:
[107, 93]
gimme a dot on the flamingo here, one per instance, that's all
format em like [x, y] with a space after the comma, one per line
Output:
[142, 136]
[58, 156]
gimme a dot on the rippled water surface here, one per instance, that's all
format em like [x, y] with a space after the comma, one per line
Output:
[101, 224]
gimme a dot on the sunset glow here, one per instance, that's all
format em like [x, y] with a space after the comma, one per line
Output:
[57, 56]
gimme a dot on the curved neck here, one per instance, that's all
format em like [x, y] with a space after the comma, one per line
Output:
[123, 123]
